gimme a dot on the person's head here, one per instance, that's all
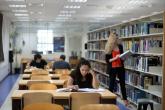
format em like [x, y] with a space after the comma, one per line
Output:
[62, 57]
[83, 67]
[111, 43]
[37, 58]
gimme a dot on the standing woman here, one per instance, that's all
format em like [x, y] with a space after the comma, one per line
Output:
[115, 65]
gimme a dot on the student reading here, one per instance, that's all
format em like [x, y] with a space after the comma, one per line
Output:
[115, 65]
[38, 62]
[82, 76]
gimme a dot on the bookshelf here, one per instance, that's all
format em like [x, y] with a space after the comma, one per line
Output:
[145, 69]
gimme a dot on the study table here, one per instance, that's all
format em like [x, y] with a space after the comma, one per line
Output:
[53, 76]
[23, 83]
[62, 98]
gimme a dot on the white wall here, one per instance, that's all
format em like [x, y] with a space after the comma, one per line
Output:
[31, 44]
[4, 66]
[84, 40]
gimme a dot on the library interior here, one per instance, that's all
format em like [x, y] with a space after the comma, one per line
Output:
[82, 54]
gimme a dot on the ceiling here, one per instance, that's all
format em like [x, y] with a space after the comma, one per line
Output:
[76, 16]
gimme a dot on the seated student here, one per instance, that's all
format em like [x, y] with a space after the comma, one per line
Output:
[38, 62]
[61, 64]
[82, 76]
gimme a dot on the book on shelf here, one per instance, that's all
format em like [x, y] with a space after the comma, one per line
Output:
[126, 54]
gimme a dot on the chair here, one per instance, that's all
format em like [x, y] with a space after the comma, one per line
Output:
[99, 107]
[42, 86]
[143, 104]
[43, 106]
[37, 97]
[40, 72]
[78, 99]
[34, 82]
[62, 71]
[40, 77]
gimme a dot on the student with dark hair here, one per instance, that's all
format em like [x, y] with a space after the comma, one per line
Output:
[61, 64]
[38, 62]
[83, 76]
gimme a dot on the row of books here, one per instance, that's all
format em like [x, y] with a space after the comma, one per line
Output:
[99, 66]
[96, 55]
[141, 80]
[150, 45]
[135, 94]
[141, 29]
[97, 45]
[104, 34]
[142, 63]
[103, 79]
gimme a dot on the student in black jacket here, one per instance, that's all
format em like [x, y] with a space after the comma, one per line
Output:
[115, 65]
[38, 62]
[83, 76]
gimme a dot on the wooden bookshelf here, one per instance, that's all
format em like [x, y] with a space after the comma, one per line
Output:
[149, 40]
[163, 102]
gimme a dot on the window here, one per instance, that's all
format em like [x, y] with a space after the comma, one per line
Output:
[45, 41]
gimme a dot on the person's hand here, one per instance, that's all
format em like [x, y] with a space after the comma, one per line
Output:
[117, 56]
[75, 87]
[92, 72]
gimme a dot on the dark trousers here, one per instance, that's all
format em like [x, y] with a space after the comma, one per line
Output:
[120, 73]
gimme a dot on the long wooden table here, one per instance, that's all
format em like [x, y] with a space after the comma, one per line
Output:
[23, 83]
[53, 76]
[29, 71]
[62, 98]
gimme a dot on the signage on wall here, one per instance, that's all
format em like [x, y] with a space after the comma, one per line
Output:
[59, 43]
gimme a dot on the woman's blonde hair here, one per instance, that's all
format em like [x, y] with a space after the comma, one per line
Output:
[110, 43]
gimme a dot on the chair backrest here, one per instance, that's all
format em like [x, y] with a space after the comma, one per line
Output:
[62, 71]
[40, 77]
[37, 97]
[40, 72]
[99, 107]
[35, 82]
[42, 86]
[43, 106]
[78, 99]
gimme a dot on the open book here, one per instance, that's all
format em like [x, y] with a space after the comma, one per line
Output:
[126, 54]
[80, 90]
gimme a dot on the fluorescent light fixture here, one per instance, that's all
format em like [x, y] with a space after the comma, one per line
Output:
[72, 6]
[40, 12]
[20, 11]
[16, 0]
[68, 12]
[62, 18]
[17, 6]
[67, 15]
[31, 12]
[42, 4]
[18, 14]
[137, 2]
[78, 1]
[100, 18]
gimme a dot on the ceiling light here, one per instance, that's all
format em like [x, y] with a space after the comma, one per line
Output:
[68, 12]
[72, 6]
[21, 14]
[22, 11]
[138, 1]
[80, 1]
[16, 0]
[42, 4]
[31, 12]
[67, 15]
[29, 4]
[40, 12]
[17, 6]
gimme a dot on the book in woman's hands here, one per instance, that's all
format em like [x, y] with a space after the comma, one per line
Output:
[126, 54]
